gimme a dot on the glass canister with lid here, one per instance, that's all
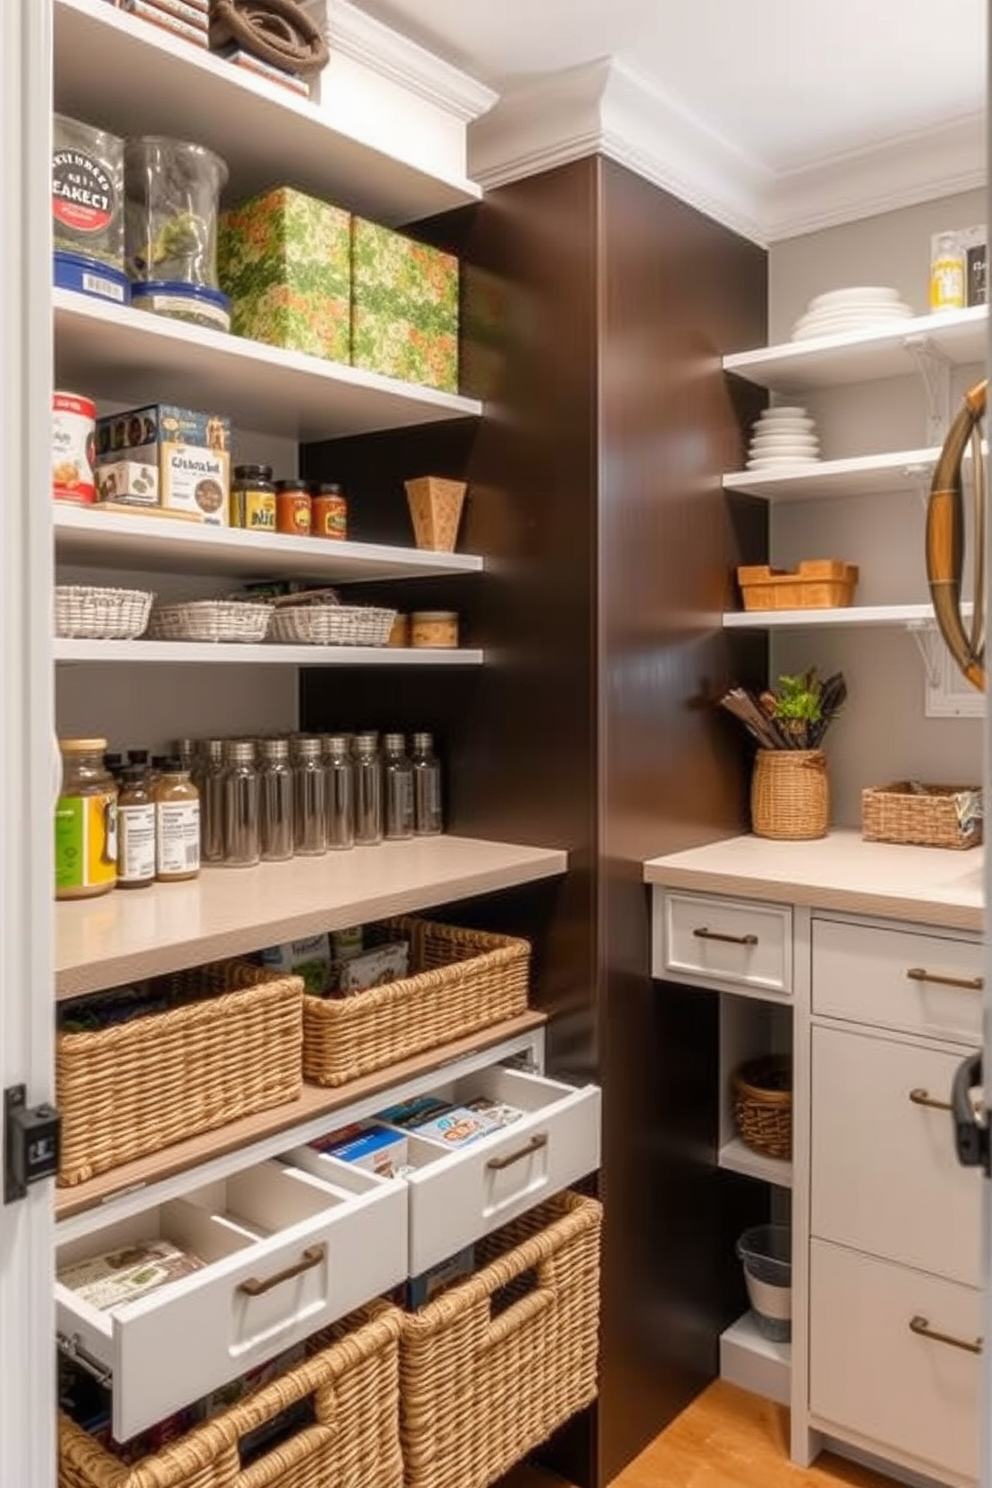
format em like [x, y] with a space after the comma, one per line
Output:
[85, 822]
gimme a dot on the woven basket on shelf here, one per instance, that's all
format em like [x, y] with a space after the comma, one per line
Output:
[136, 1087]
[494, 1365]
[332, 625]
[83, 612]
[790, 794]
[353, 1440]
[925, 816]
[211, 620]
[763, 1105]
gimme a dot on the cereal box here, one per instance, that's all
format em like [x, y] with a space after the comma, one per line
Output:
[285, 262]
[404, 311]
[189, 452]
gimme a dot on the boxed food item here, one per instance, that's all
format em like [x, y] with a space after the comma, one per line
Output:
[404, 308]
[190, 452]
[309, 958]
[285, 261]
[182, 20]
[369, 1145]
[248, 62]
[424, 1288]
[131, 1271]
[439, 1121]
[374, 968]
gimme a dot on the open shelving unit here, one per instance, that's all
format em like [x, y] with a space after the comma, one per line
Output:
[756, 1363]
[853, 617]
[860, 475]
[207, 653]
[737, 1158]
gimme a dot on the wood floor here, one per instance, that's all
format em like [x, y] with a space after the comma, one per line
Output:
[725, 1439]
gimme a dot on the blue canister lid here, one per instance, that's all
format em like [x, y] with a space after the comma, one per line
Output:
[145, 288]
[90, 276]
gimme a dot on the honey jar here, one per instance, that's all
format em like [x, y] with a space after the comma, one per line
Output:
[437, 629]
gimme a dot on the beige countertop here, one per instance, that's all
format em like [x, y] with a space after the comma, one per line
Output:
[925, 885]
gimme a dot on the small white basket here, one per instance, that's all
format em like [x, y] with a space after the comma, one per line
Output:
[210, 620]
[83, 612]
[331, 625]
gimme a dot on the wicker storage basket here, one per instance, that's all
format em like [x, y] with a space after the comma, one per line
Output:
[332, 625]
[86, 613]
[817, 584]
[928, 816]
[493, 1366]
[790, 794]
[211, 620]
[136, 1087]
[763, 1105]
[353, 1442]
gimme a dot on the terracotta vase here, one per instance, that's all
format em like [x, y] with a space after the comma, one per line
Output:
[435, 509]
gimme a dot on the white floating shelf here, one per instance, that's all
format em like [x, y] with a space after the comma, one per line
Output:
[111, 351]
[862, 356]
[755, 1363]
[90, 535]
[133, 78]
[118, 937]
[862, 475]
[738, 1158]
[854, 616]
[207, 653]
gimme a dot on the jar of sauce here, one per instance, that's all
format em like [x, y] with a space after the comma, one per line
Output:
[253, 498]
[85, 822]
[293, 508]
[329, 512]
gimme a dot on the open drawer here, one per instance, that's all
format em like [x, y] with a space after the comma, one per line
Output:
[284, 1254]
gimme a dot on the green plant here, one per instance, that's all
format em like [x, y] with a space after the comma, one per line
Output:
[798, 698]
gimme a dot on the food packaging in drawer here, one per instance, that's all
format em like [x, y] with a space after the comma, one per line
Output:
[894, 1361]
[884, 1174]
[178, 1300]
[928, 984]
[738, 943]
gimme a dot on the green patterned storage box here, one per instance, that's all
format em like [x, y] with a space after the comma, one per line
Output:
[404, 311]
[285, 261]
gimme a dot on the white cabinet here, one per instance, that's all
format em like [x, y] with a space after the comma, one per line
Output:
[723, 942]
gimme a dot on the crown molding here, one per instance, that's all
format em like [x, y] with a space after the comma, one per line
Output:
[384, 51]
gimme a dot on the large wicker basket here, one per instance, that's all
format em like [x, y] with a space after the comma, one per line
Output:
[211, 620]
[790, 794]
[83, 611]
[763, 1105]
[332, 625]
[493, 1366]
[925, 816]
[136, 1087]
[353, 1442]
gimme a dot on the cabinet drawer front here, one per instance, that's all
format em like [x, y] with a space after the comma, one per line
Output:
[732, 942]
[898, 979]
[252, 1301]
[884, 1176]
[872, 1375]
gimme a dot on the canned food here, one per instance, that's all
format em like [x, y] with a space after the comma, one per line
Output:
[253, 498]
[73, 448]
[293, 508]
[329, 512]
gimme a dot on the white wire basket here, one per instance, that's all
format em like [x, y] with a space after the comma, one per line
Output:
[210, 620]
[331, 625]
[83, 612]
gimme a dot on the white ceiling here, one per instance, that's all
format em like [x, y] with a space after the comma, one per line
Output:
[786, 83]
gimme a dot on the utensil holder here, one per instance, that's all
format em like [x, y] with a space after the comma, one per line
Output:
[435, 510]
[790, 794]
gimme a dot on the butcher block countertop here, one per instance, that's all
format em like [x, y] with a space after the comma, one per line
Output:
[923, 885]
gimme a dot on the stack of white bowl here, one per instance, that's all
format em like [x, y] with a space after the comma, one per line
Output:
[843, 310]
[783, 436]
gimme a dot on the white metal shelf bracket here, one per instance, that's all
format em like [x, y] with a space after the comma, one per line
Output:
[924, 633]
[934, 368]
[920, 478]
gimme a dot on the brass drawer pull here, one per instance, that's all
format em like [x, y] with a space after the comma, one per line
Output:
[970, 984]
[253, 1287]
[921, 1327]
[497, 1164]
[921, 1097]
[701, 933]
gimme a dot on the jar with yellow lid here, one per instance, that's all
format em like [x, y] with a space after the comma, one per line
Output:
[85, 822]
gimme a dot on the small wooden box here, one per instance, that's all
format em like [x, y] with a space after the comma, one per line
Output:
[817, 584]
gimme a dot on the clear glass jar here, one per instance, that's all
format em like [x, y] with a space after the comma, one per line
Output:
[368, 790]
[339, 770]
[397, 783]
[177, 824]
[242, 836]
[947, 273]
[309, 798]
[171, 196]
[85, 822]
[210, 783]
[428, 802]
[135, 831]
[276, 788]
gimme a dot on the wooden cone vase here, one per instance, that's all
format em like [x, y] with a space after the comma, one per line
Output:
[435, 510]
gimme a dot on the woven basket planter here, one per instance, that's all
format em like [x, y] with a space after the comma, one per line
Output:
[494, 1365]
[84, 612]
[763, 1105]
[136, 1087]
[928, 816]
[354, 1441]
[211, 620]
[790, 794]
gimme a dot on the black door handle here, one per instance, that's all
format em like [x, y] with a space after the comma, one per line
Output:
[970, 1138]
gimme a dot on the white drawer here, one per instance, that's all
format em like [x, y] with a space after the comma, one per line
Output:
[884, 1174]
[927, 984]
[286, 1253]
[728, 942]
[872, 1375]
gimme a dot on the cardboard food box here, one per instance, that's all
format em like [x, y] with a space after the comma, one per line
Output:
[167, 459]
[404, 309]
[285, 261]
[368, 1145]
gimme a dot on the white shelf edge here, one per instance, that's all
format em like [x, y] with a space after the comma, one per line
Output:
[827, 472]
[207, 653]
[737, 1158]
[852, 617]
[755, 1363]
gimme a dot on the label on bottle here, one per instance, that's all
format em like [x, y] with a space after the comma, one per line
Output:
[136, 859]
[177, 849]
[86, 841]
[947, 288]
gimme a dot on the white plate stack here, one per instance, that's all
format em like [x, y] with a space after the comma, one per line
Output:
[841, 311]
[783, 437]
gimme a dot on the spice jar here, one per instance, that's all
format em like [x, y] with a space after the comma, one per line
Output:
[242, 835]
[329, 512]
[211, 787]
[437, 629]
[85, 822]
[276, 789]
[136, 831]
[293, 508]
[947, 273]
[309, 798]
[397, 772]
[253, 498]
[339, 773]
[177, 824]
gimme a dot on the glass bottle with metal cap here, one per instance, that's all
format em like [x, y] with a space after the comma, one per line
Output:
[368, 790]
[397, 780]
[428, 805]
[276, 785]
[242, 845]
[339, 771]
[210, 783]
[309, 797]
